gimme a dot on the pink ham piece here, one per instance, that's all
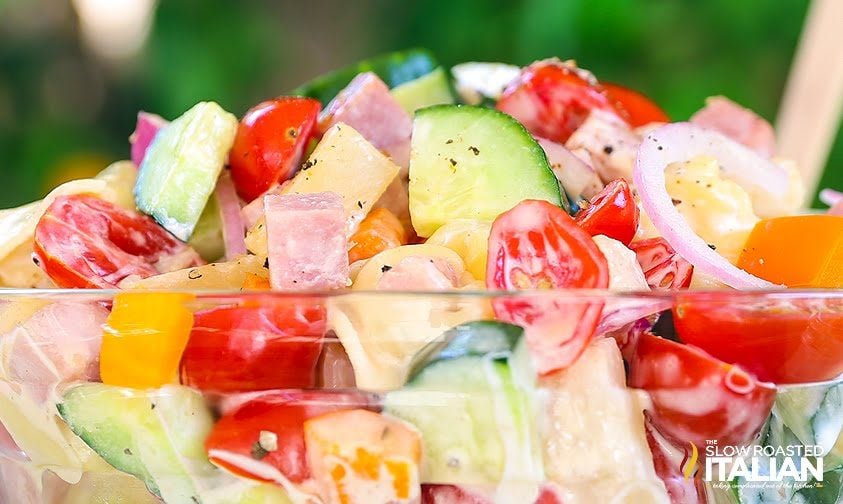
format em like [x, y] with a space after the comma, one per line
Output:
[419, 273]
[59, 343]
[145, 130]
[576, 176]
[367, 106]
[611, 144]
[307, 245]
[738, 123]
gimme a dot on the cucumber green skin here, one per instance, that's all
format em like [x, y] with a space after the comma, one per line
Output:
[471, 162]
[181, 167]
[161, 445]
[452, 403]
[207, 237]
[480, 338]
[394, 69]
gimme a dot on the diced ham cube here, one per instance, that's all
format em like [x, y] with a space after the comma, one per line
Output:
[610, 142]
[367, 106]
[419, 273]
[307, 244]
[577, 177]
[738, 123]
[59, 343]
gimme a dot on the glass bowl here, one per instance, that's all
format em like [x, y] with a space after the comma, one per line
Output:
[374, 396]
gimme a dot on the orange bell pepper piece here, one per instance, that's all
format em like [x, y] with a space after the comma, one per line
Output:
[379, 231]
[798, 251]
[144, 338]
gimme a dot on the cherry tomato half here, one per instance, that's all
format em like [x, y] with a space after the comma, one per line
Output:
[695, 397]
[83, 241]
[636, 108]
[536, 245]
[663, 268]
[282, 415]
[262, 344]
[611, 212]
[782, 341]
[269, 143]
[552, 99]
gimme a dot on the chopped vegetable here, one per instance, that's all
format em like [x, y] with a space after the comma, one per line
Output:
[379, 231]
[270, 142]
[148, 126]
[772, 253]
[181, 167]
[537, 246]
[144, 338]
[84, 241]
[612, 213]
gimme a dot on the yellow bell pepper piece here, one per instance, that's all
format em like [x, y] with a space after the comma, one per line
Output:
[144, 338]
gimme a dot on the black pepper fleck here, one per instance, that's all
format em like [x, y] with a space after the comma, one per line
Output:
[712, 247]
[474, 150]
[128, 452]
[608, 149]
[194, 274]
[292, 133]
[153, 406]
[360, 204]
[36, 261]
[266, 263]
[385, 268]
[449, 141]
[258, 452]
[307, 165]
[676, 201]
[453, 162]
[660, 147]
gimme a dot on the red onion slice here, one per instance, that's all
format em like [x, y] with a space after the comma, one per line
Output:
[680, 142]
[831, 197]
[233, 228]
[145, 130]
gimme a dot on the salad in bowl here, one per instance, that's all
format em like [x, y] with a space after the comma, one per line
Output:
[400, 283]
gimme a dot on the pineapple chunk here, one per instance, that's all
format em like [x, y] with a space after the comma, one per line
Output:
[343, 163]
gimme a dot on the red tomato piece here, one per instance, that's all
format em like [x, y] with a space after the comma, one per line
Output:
[281, 414]
[697, 398]
[553, 99]
[536, 245]
[450, 494]
[663, 268]
[669, 468]
[782, 341]
[270, 142]
[83, 241]
[612, 212]
[261, 344]
[636, 108]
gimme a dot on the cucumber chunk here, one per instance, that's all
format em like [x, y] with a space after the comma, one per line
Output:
[479, 338]
[394, 69]
[472, 162]
[474, 424]
[427, 90]
[156, 436]
[814, 413]
[182, 165]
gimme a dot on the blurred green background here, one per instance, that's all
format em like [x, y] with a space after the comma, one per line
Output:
[73, 73]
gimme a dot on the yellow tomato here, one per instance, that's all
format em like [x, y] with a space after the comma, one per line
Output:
[144, 338]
